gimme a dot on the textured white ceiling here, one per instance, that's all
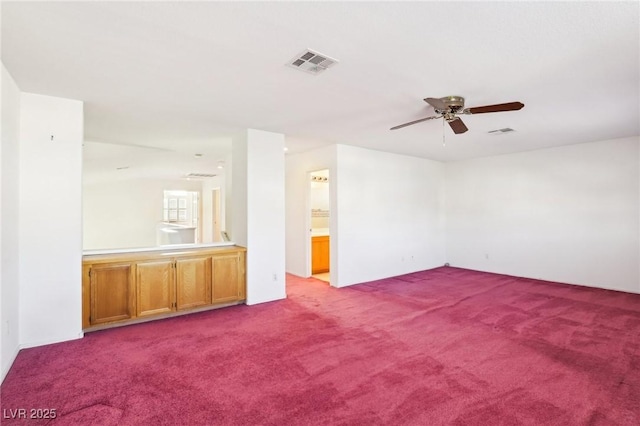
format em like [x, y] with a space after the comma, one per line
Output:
[174, 75]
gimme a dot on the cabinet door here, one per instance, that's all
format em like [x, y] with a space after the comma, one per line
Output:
[226, 278]
[242, 277]
[193, 282]
[319, 254]
[111, 293]
[155, 287]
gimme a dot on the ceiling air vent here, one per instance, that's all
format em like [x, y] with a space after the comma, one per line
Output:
[311, 62]
[200, 175]
[501, 131]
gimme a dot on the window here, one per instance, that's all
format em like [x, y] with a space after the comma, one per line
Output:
[181, 207]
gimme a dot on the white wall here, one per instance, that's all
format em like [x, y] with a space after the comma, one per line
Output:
[9, 203]
[237, 214]
[259, 213]
[125, 214]
[390, 213]
[50, 227]
[297, 205]
[228, 195]
[387, 213]
[568, 214]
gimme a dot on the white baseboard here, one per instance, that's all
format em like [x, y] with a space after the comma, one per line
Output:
[7, 367]
[27, 345]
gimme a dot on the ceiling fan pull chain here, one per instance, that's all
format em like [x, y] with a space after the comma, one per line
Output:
[443, 141]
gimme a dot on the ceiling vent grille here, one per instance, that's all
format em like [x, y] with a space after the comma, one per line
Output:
[501, 131]
[311, 62]
[200, 175]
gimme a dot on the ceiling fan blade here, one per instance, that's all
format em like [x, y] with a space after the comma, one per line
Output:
[414, 122]
[511, 106]
[457, 126]
[436, 104]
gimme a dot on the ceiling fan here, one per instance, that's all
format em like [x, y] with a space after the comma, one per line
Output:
[450, 107]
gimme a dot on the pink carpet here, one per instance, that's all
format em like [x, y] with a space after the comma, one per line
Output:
[446, 346]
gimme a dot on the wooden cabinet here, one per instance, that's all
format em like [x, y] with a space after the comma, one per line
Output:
[125, 287]
[320, 254]
[193, 282]
[226, 274]
[155, 286]
[111, 292]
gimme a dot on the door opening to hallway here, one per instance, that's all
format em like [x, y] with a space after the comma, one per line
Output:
[320, 211]
[215, 217]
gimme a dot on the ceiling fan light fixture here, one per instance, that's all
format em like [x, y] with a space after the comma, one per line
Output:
[450, 107]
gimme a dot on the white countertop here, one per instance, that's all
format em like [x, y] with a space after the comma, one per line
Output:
[320, 232]
[157, 248]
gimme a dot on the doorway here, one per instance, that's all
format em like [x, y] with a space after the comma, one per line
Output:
[319, 214]
[215, 216]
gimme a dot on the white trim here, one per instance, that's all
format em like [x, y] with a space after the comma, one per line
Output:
[80, 335]
[158, 248]
[6, 368]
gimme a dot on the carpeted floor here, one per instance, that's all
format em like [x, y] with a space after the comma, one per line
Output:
[446, 346]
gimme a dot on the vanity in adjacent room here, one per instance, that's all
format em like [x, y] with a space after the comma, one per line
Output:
[128, 286]
[320, 254]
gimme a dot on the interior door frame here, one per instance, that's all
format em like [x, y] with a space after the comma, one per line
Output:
[215, 215]
[308, 215]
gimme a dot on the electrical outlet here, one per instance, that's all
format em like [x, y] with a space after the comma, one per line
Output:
[486, 256]
[275, 277]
